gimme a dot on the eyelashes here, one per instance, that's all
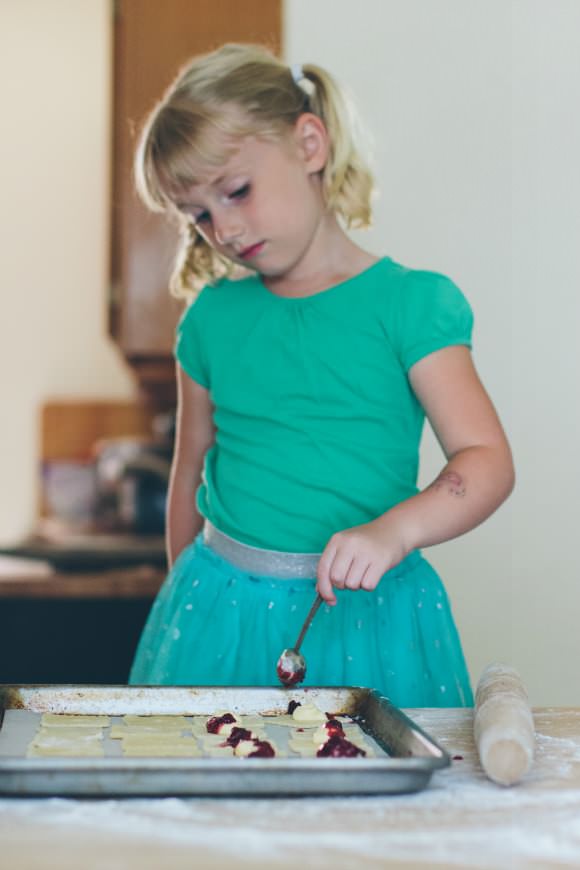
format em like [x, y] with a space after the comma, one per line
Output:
[239, 194]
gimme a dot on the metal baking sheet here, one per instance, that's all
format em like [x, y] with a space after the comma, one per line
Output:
[405, 761]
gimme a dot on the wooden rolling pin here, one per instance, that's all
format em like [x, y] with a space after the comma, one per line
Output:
[503, 725]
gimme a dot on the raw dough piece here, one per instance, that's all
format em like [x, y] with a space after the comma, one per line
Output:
[198, 725]
[244, 748]
[284, 719]
[235, 738]
[119, 732]
[209, 740]
[69, 733]
[303, 744]
[161, 736]
[59, 742]
[60, 719]
[309, 750]
[183, 747]
[163, 722]
[308, 714]
[218, 751]
[288, 719]
[40, 750]
[322, 733]
[304, 750]
[503, 726]
[224, 728]
[252, 721]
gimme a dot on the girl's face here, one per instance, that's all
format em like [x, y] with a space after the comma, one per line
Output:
[262, 208]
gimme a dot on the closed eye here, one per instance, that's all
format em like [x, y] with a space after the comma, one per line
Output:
[241, 192]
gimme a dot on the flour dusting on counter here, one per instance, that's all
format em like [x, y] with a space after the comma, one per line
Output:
[262, 829]
[462, 819]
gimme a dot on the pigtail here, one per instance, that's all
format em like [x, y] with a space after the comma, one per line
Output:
[347, 180]
[196, 263]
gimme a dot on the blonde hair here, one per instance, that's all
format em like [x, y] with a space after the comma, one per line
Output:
[217, 99]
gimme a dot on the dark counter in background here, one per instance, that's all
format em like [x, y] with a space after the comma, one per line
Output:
[73, 628]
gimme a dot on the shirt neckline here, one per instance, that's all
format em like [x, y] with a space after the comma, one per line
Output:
[293, 300]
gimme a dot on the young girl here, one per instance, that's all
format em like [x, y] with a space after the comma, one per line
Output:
[302, 392]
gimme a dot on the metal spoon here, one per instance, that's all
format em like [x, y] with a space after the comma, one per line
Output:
[291, 667]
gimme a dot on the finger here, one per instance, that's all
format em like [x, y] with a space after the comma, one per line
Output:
[355, 573]
[324, 584]
[325, 561]
[340, 567]
[326, 591]
[371, 578]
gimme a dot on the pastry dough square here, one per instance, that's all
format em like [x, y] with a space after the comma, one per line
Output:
[147, 746]
[68, 719]
[162, 722]
[78, 750]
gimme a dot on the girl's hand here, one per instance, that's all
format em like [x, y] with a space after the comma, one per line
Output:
[357, 558]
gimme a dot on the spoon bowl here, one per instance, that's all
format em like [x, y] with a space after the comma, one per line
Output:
[291, 667]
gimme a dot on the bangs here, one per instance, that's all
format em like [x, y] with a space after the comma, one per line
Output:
[180, 147]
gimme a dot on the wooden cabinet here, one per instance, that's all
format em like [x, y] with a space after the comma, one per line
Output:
[152, 40]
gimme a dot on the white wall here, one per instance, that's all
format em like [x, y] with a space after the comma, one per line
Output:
[473, 107]
[55, 68]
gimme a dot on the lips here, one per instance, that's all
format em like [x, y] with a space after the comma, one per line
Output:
[251, 251]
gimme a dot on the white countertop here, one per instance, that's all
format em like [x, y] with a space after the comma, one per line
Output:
[461, 820]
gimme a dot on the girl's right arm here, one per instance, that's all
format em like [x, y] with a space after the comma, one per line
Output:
[194, 435]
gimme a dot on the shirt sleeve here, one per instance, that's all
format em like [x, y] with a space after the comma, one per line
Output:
[189, 347]
[430, 313]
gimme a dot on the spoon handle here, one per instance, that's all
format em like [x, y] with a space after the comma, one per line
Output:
[308, 621]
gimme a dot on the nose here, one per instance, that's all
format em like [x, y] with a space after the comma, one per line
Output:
[227, 227]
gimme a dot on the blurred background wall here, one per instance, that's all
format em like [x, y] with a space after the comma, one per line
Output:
[55, 69]
[472, 107]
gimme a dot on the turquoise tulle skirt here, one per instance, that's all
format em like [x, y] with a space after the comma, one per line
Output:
[215, 625]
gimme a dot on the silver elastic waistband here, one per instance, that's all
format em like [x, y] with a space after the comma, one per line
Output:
[272, 563]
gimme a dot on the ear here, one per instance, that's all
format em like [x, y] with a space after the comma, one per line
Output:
[312, 140]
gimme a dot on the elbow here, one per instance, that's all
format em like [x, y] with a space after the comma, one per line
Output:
[496, 467]
[508, 475]
[510, 484]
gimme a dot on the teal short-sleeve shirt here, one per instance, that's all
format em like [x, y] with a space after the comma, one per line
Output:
[317, 427]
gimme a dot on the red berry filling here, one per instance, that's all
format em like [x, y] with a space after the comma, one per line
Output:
[237, 735]
[339, 747]
[263, 750]
[214, 724]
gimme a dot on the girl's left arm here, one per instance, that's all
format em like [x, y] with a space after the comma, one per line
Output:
[478, 477]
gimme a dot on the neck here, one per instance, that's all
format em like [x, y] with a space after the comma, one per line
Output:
[330, 258]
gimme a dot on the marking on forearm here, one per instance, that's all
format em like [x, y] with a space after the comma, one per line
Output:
[450, 481]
